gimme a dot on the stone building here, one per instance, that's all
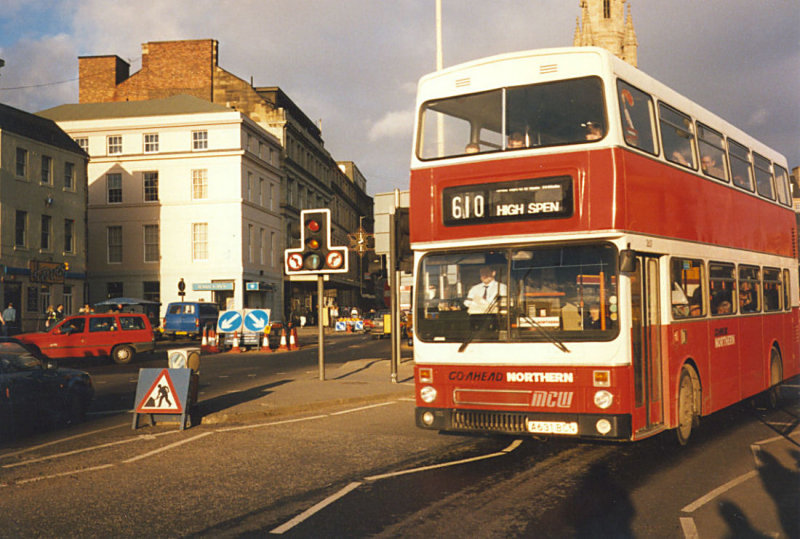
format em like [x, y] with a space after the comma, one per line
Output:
[308, 170]
[603, 23]
[43, 192]
[180, 189]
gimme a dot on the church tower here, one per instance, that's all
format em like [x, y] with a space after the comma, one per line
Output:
[603, 23]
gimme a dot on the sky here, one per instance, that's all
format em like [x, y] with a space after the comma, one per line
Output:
[353, 65]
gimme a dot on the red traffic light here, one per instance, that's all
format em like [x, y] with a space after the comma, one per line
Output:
[313, 225]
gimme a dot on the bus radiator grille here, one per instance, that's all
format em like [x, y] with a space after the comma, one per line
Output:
[492, 421]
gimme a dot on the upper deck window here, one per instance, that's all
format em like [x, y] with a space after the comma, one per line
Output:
[763, 177]
[782, 185]
[677, 136]
[537, 115]
[713, 159]
[636, 111]
[740, 165]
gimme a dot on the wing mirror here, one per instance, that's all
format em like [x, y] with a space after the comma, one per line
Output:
[627, 261]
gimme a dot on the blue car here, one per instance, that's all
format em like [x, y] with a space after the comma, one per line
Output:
[35, 392]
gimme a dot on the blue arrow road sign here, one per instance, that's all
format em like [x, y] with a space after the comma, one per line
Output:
[256, 320]
[229, 321]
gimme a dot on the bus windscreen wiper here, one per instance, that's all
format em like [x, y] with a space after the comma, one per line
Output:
[483, 323]
[547, 335]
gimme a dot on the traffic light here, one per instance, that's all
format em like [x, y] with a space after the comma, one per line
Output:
[316, 254]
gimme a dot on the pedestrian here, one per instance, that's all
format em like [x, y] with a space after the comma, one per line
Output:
[50, 317]
[5, 326]
[60, 312]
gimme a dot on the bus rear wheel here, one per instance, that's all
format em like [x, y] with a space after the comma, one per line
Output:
[773, 395]
[686, 408]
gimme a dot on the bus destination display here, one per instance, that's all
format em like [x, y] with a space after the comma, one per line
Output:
[520, 200]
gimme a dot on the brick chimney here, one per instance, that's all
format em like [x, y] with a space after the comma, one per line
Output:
[99, 77]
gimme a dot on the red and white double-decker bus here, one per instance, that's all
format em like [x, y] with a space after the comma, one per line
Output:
[595, 255]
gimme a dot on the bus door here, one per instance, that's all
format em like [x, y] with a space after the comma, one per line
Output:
[646, 343]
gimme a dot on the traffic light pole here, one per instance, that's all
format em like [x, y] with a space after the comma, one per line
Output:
[321, 334]
[394, 305]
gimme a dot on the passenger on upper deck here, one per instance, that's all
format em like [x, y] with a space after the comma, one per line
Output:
[516, 140]
[594, 130]
[709, 164]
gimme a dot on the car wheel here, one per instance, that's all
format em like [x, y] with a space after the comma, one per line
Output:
[122, 354]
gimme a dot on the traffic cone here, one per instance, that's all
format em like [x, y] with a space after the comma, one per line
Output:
[283, 340]
[204, 340]
[293, 345]
[235, 347]
[265, 343]
[213, 342]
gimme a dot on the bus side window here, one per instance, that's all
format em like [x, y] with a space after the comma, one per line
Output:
[782, 185]
[713, 159]
[721, 284]
[677, 136]
[687, 288]
[636, 113]
[787, 304]
[772, 289]
[749, 289]
[763, 177]
[741, 170]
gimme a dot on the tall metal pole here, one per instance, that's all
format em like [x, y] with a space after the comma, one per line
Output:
[394, 306]
[321, 334]
[439, 66]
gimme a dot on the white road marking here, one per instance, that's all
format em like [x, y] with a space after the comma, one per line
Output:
[689, 528]
[86, 449]
[362, 408]
[315, 509]
[698, 503]
[63, 474]
[285, 421]
[166, 448]
[54, 442]
[515, 444]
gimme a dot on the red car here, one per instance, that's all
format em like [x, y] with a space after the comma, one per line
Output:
[117, 335]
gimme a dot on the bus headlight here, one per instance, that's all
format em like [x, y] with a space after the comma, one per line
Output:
[603, 426]
[603, 399]
[427, 394]
[427, 418]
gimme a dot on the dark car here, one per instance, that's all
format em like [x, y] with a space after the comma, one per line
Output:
[34, 391]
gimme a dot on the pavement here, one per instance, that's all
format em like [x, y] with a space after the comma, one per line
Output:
[356, 382]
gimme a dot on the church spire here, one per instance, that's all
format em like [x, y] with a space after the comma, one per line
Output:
[603, 24]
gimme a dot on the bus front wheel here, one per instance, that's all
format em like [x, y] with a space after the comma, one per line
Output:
[775, 377]
[686, 408]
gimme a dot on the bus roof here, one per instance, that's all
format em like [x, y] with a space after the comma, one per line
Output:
[546, 65]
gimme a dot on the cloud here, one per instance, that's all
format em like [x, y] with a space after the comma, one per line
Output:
[392, 124]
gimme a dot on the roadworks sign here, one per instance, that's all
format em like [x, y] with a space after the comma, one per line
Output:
[161, 398]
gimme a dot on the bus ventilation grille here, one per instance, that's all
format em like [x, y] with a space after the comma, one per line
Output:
[794, 241]
[492, 421]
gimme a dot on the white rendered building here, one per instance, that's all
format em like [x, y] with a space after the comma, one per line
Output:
[180, 189]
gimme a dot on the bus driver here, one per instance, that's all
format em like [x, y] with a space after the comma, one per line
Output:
[481, 296]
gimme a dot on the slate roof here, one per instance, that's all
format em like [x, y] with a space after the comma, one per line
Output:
[176, 104]
[36, 128]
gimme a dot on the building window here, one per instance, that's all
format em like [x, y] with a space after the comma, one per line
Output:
[151, 252]
[67, 299]
[150, 186]
[114, 144]
[150, 142]
[47, 233]
[272, 196]
[21, 229]
[262, 247]
[83, 142]
[47, 170]
[151, 290]
[200, 140]
[33, 299]
[22, 162]
[199, 184]
[251, 239]
[114, 183]
[272, 248]
[261, 192]
[69, 176]
[606, 9]
[114, 235]
[114, 289]
[199, 241]
[44, 298]
[249, 187]
[69, 236]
